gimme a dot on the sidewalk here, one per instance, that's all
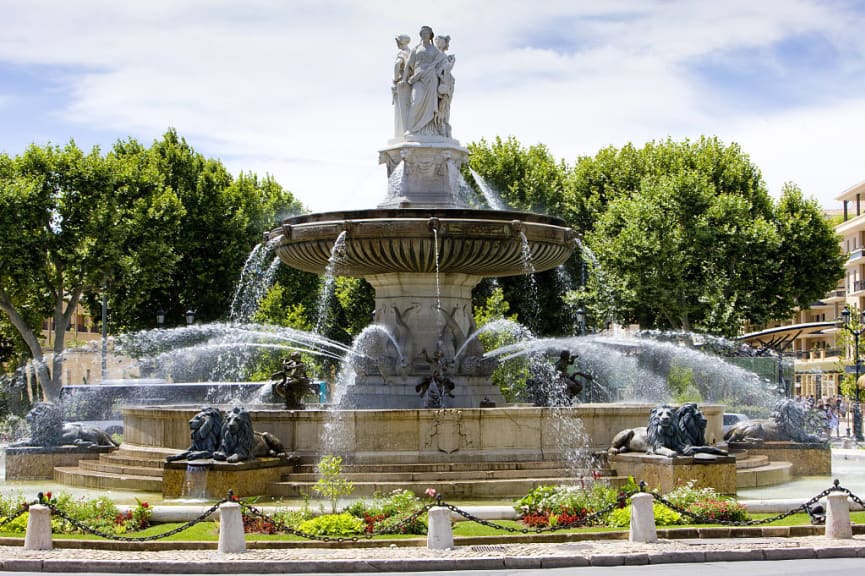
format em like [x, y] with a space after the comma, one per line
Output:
[413, 555]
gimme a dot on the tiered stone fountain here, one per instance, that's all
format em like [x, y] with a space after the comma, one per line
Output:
[423, 250]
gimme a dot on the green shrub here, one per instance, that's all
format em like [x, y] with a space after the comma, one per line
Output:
[386, 511]
[333, 525]
[551, 505]
[621, 517]
[724, 509]
[707, 503]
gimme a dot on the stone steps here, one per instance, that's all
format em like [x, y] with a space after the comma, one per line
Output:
[122, 470]
[749, 462]
[127, 468]
[106, 480]
[424, 476]
[440, 467]
[767, 475]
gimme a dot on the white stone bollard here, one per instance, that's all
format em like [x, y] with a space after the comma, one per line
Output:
[231, 539]
[642, 519]
[440, 534]
[38, 535]
[838, 524]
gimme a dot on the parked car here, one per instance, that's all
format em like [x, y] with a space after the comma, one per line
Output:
[733, 418]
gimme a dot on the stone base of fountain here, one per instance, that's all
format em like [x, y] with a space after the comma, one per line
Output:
[215, 479]
[401, 393]
[38, 463]
[807, 459]
[665, 474]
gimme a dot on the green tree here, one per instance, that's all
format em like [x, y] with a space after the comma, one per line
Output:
[64, 218]
[199, 259]
[699, 244]
[812, 260]
[528, 179]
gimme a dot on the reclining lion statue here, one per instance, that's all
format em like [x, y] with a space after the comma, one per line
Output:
[789, 422]
[239, 441]
[48, 430]
[206, 431]
[670, 433]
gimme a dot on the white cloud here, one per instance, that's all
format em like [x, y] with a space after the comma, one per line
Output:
[300, 89]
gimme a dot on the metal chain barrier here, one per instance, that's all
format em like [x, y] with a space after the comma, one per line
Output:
[21, 510]
[621, 501]
[96, 532]
[806, 507]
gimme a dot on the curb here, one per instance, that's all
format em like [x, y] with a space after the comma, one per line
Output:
[234, 563]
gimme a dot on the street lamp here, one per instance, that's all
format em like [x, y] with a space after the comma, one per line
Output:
[857, 410]
[190, 317]
[160, 318]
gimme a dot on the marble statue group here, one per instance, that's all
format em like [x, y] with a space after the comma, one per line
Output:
[423, 86]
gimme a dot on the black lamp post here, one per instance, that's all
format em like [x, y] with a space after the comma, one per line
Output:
[160, 318]
[190, 317]
[857, 410]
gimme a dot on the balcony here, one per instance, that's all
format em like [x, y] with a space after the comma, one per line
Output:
[858, 286]
[818, 354]
[834, 296]
[855, 255]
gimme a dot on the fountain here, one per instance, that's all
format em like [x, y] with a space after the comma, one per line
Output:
[416, 407]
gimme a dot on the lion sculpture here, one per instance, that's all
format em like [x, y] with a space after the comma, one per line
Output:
[240, 442]
[670, 433]
[789, 422]
[47, 430]
[660, 437]
[692, 427]
[206, 431]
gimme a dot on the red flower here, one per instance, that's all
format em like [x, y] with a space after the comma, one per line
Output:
[48, 495]
[145, 505]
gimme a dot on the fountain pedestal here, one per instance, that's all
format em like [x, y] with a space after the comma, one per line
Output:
[665, 474]
[249, 478]
[807, 458]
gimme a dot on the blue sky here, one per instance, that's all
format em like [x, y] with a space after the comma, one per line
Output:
[301, 89]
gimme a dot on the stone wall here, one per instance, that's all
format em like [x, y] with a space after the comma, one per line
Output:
[453, 435]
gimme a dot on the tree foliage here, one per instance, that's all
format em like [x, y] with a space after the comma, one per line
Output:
[681, 235]
[150, 228]
[700, 245]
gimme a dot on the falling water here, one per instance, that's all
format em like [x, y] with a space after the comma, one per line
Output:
[531, 281]
[493, 199]
[436, 252]
[255, 280]
[337, 254]
[194, 483]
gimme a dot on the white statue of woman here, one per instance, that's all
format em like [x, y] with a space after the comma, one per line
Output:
[446, 87]
[401, 90]
[423, 66]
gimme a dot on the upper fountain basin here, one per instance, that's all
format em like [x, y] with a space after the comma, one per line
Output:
[484, 243]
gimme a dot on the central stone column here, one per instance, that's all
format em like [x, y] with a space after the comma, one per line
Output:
[423, 315]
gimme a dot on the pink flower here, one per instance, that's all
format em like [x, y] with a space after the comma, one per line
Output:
[431, 492]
